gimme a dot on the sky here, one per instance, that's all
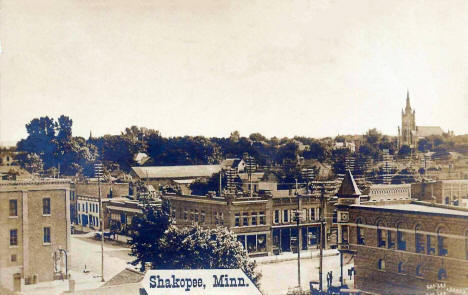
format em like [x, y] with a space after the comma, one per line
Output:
[209, 67]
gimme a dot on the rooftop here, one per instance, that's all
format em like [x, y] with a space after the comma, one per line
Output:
[176, 171]
[417, 207]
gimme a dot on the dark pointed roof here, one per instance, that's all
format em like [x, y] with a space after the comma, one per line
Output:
[408, 105]
[348, 187]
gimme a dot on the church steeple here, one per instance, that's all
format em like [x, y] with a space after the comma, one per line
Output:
[408, 105]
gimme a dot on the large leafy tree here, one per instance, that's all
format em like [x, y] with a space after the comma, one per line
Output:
[154, 239]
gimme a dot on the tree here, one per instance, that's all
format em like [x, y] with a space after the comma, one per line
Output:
[404, 151]
[257, 137]
[147, 231]
[154, 239]
[31, 162]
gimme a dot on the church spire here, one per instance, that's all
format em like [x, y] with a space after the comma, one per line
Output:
[408, 105]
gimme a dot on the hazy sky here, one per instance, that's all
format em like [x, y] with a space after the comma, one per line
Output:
[208, 67]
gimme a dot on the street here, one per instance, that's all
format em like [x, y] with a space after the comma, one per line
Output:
[87, 251]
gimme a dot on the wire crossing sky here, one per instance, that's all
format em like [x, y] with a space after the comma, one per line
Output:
[208, 67]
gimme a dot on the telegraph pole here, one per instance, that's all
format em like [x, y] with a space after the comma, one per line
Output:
[298, 240]
[322, 198]
[98, 173]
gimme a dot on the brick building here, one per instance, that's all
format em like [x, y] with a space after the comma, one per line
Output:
[402, 246]
[448, 192]
[34, 224]
[264, 224]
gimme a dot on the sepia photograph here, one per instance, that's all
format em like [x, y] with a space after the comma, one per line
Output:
[232, 147]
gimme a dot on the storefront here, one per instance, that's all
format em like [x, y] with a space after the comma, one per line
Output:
[254, 242]
[285, 238]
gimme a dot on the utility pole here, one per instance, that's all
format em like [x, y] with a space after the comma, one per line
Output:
[322, 199]
[220, 183]
[298, 239]
[98, 173]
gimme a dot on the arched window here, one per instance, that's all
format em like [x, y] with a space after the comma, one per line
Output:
[441, 243]
[380, 235]
[401, 241]
[419, 272]
[400, 267]
[418, 238]
[381, 264]
[360, 232]
[442, 274]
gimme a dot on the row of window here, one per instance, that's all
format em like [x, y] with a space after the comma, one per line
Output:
[13, 207]
[286, 216]
[92, 207]
[441, 275]
[199, 216]
[432, 245]
[249, 218]
[14, 236]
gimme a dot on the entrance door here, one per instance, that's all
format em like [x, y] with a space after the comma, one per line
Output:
[285, 239]
[17, 282]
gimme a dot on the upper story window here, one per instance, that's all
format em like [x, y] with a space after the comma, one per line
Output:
[13, 237]
[380, 236]
[261, 218]
[285, 215]
[46, 206]
[245, 219]
[418, 239]
[401, 239]
[360, 232]
[13, 208]
[441, 242]
[312, 214]
[431, 246]
[237, 219]
[254, 218]
[276, 218]
[46, 235]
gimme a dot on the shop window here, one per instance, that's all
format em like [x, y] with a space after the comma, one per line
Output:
[261, 243]
[419, 239]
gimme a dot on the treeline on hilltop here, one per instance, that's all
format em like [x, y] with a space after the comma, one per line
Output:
[50, 146]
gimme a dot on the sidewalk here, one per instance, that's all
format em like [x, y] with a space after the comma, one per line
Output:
[287, 256]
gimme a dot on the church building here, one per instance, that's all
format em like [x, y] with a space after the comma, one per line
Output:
[409, 134]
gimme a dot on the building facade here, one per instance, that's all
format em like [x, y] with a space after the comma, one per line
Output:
[448, 192]
[404, 246]
[34, 224]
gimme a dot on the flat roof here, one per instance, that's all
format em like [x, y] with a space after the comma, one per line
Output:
[416, 208]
